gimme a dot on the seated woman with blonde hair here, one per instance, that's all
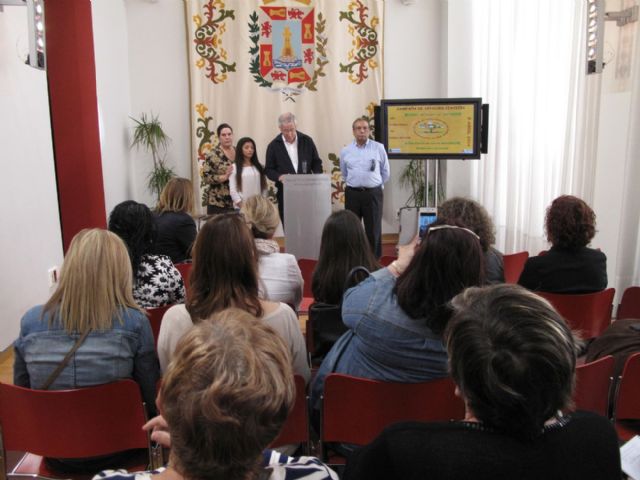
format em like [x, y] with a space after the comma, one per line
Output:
[93, 297]
[224, 275]
[280, 276]
[176, 227]
[224, 399]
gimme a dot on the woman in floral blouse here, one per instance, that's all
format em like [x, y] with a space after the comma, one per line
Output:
[216, 171]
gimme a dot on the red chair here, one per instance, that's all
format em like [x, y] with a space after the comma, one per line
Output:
[155, 319]
[386, 260]
[185, 271]
[513, 266]
[305, 304]
[307, 265]
[296, 428]
[630, 304]
[593, 383]
[589, 313]
[626, 412]
[80, 423]
[356, 410]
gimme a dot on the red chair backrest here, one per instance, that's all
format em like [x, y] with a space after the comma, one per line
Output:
[155, 319]
[356, 410]
[513, 266]
[73, 423]
[386, 260]
[589, 314]
[185, 271]
[593, 383]
[307, 265]
[630, 304]
[628, 397]
[296, 428]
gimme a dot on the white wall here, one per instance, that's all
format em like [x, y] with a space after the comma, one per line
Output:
[111, 46]
[30, 237]
[141, 66]
[615, 163]
[413, 60]
[458, 84]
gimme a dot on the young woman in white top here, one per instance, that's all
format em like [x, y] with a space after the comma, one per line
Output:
[280, 276]
[224, 275]
[247, 178]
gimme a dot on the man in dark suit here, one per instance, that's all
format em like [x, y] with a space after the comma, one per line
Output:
[291, 152]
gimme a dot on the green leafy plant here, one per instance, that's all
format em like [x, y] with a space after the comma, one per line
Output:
[412, 177]
[149, 135]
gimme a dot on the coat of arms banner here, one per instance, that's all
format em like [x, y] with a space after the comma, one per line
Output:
[251, 60]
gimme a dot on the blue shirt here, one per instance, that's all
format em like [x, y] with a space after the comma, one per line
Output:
[383, 342]
[125, 351]
[356, 164]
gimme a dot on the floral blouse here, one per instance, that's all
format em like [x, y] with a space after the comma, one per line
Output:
[157, 282]
[215, 188]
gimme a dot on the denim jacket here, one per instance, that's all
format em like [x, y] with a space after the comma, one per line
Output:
[125, 351]
[383, 342]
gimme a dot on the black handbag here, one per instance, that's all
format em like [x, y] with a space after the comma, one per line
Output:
[325, 320]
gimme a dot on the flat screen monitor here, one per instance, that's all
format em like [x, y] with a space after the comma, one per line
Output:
[432, 128]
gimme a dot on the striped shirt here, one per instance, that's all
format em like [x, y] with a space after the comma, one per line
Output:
[278, 466]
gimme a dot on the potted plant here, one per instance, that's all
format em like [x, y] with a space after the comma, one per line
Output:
[148, 134]
[413, 178]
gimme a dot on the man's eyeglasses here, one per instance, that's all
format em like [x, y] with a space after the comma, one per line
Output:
[373, 165]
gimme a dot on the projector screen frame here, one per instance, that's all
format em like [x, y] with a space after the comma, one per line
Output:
[480, 115]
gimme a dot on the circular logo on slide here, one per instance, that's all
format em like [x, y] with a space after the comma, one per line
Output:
[430, 128]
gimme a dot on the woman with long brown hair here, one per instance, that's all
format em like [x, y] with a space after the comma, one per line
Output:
[248, 178]
[396, 316]
[343, 246]
[225, 274]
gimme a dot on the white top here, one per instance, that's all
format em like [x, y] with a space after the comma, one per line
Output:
[177, 321]
[280, 278]
[292, 150]
[250, 184]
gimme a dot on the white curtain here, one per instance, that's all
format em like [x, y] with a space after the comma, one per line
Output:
[527, 62]
[628, 255]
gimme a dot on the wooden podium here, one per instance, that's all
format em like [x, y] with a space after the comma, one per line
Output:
[307, 204]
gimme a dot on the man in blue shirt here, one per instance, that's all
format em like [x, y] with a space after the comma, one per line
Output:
[365, 169]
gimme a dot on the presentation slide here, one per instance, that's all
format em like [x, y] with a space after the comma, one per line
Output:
[431, 129]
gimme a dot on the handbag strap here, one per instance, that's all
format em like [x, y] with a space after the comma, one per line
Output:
[65, 360]
[350, 277]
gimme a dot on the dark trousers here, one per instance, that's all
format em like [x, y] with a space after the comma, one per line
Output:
[215, 210]
[366, 203]
[280, 198]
